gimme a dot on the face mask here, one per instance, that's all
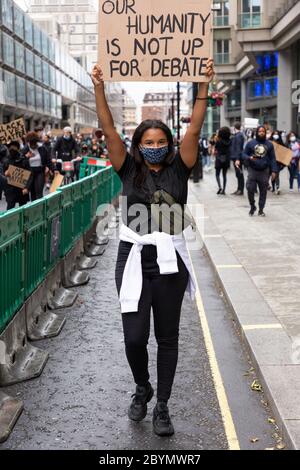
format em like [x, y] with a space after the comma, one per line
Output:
[293, 139]
[275, 137]
[154, 155]
[67, 137]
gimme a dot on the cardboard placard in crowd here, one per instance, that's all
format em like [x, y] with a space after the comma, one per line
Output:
[283, 154]
[159, 40]
[56, 183]
[12, 130]
[18, 177]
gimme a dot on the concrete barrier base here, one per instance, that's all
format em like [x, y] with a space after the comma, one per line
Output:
[70, 275]
[19, 360]
[86, 263]
[41, 323]
[56, 295]
[10, 410]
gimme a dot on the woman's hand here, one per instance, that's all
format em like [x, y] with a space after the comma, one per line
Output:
[97, 76]
[210, 71]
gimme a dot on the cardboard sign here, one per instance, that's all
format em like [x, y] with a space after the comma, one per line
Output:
[283, 154]
[56, 183]
[156, 40]
[12, 131]
[18, 177]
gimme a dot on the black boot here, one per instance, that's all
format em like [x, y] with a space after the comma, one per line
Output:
[252, 211]
[162, 423]
[138, 407]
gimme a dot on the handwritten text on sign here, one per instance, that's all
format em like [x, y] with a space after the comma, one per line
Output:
[11, 131]
[155, 40]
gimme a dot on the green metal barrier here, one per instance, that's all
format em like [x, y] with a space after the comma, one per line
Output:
[53, 229]
[34, 238]
[34, 244]
[11, 265]
[67, 220]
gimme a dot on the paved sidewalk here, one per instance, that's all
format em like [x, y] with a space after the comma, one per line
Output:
[257, 261]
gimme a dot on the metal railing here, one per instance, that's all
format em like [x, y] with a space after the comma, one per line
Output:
[249, 20]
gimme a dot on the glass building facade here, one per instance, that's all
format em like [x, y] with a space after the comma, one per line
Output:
[38, 77]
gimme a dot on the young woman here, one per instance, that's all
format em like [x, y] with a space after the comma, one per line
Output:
[294, 170]
[152, 267]
[276, 137]
[222, 154]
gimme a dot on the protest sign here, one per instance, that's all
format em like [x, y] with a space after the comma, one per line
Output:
[283, 154]
[11, 131]
[156, 40]
[56, 183]
[18, 177]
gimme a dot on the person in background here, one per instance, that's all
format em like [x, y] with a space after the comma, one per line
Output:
[39, 164]
[222, 154]
[47, 143]
[39, 130]
[13, 194]
[259, 157]
[237, 147]
[204, 145]
[3, 157]
[67, 149]
[294, 170]
[276, 137]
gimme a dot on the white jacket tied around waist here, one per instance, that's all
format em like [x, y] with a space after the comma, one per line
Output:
[166, 245]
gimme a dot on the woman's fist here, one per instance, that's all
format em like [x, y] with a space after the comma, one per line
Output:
[97, 75]
[210, 72]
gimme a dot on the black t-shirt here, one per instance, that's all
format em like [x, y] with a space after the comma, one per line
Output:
[136, 202]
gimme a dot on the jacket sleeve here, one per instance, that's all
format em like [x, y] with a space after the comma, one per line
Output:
[247, 152]
[240, 145]
[272, 158]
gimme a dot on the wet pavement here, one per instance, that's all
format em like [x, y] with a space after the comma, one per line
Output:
[81, 399]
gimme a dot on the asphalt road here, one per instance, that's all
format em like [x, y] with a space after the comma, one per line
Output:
[81, 399]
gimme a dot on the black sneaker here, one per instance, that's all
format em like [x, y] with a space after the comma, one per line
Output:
[219, 191]
[162, 423]
[261, 213]
[138, 407]
[252, 211]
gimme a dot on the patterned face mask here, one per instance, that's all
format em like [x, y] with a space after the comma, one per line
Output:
[154, 155]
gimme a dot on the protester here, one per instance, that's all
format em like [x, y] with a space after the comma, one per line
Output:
[276, 137]
[259, 157]
[67, 149]
[222, 154]
[14, 195]
[39, 164]
[152, 173]
[294, 170]
[237, 146]
[3, 157]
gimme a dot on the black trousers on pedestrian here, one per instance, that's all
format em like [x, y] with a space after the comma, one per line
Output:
[164, 293]
[260, 179]
[240, 177]
[37, 186]
[224, 168]
[14, 196]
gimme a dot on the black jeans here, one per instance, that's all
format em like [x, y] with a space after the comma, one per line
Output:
[164, 293]
[224, 169]
[240, 177]
[260, 179]
[37, 185]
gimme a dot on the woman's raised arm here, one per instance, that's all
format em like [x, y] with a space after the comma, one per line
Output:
[190, 142]
[115, 146]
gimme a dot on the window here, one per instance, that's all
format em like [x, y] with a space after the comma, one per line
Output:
[46, 78]
[221, 17]
[45, 45]
[47, 103]
[21, 91]
[52, 76]
[39, 98]
[8, 50]
[58, 80]
[250, 16]
[28, 31]
[38, 68]
[222, 51]
[29, 63]
[7, 14]
[19, 22]
[37, 38]
[20, 59]
[30, 89]
[91, 38]
[9, 88]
